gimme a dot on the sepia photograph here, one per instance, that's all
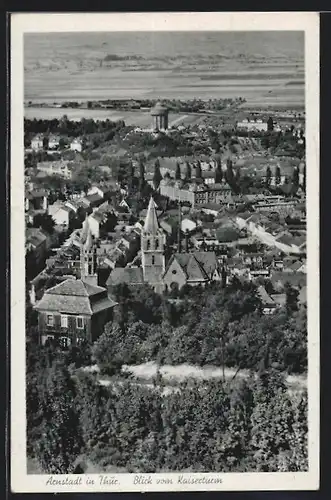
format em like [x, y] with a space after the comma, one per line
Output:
[165, 258]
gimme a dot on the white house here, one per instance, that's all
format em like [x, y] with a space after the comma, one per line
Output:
[77, 145]
[37, 142]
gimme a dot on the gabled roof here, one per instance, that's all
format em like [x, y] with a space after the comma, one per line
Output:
[265, 297]
[36, 193]
[129, 275]
[34, 236]
[93, 197]
[151, 223]
[206, 261]
[195, 271]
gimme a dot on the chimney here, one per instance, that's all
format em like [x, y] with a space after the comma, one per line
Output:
[186, 241]
[179, 236]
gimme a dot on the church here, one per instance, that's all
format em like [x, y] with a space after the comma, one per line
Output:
[183, 268]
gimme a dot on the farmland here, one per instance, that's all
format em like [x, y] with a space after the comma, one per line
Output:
[266, 70]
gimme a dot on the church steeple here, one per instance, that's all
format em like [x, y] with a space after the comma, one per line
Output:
[152, 246]
[151, 222]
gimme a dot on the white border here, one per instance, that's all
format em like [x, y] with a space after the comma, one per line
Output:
[55, 22]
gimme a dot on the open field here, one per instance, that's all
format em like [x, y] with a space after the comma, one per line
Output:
[265, 68]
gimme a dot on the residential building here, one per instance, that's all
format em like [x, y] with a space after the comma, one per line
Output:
[272, 234]
[77, 145]
[269, 306]
[53, 141]
[61, 213]
[35, 245]
[104, 191]
[36, 199]
[92, 200]
[61, 168]
[37, 142]
[253, 123]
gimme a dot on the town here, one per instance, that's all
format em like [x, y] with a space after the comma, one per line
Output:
[154, 251]
[168, 221]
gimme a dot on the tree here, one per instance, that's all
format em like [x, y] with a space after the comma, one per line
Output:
[61, 440]
[277, 175]
[218, 173]
[188, 171]
[291, 299]
[141, 175]
[141, 169]
[198, 172]
[107, 350]
[237, 177]
[229, 172]
[178, 172]
[110, 223]
[270, 124]
[268, 176]
[45, 221]
[157, 174]
[295, 178]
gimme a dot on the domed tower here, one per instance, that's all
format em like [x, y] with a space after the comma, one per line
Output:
[159, 117]
[88, 256]
[152, 247]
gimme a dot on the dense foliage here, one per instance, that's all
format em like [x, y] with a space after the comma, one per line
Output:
[220, 326]
[71, 128]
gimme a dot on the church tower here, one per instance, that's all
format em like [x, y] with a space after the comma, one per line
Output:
[88, 256]
[152, 247]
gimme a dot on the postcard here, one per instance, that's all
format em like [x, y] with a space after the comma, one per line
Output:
[164, 252]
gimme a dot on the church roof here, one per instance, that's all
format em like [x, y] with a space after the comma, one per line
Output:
[197, 265]
[195, 270]
[151, 223]
[129, 275]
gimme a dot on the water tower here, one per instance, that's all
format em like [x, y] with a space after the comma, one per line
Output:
[160, 117]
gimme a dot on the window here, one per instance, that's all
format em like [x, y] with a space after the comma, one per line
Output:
[153, 260]
[64, 342]
[148, 244]
[156, 244]
[64, 321]
[174, 271]
[80, 322]
[50, 320]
